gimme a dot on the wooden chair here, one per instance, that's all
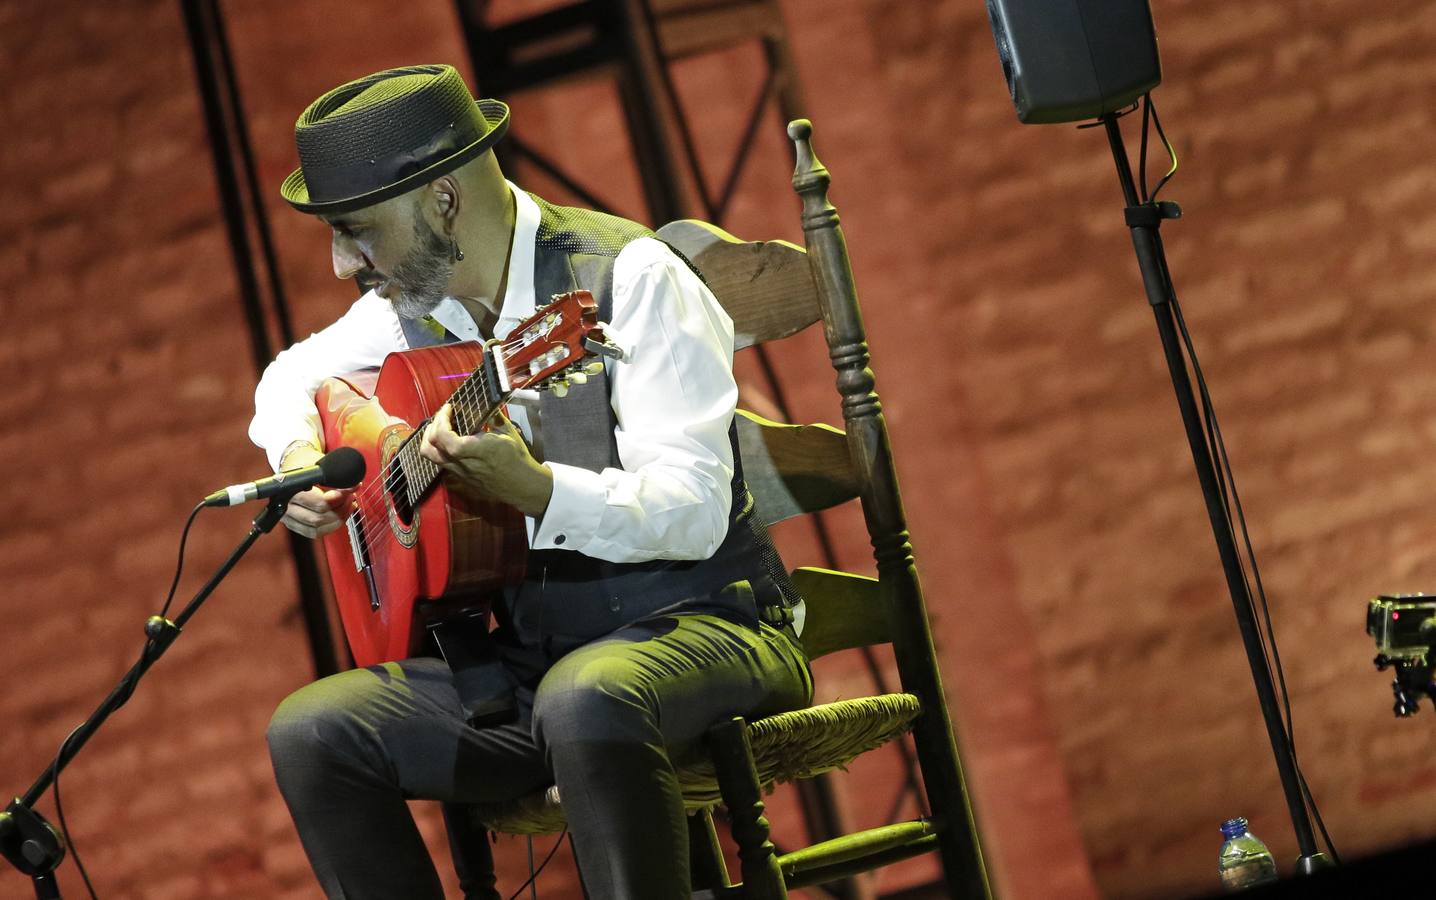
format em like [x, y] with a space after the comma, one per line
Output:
[772, 290]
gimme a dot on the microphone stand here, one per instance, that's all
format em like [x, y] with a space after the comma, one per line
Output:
[1144, 219]
[32, 844]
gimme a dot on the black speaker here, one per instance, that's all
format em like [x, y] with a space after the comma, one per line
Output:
[1068, 60]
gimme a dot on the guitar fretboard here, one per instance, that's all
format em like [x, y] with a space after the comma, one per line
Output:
[471, 405]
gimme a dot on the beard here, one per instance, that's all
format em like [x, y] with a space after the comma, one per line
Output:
[421, 279]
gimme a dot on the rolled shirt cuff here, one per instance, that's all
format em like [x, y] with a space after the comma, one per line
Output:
[574, 509]
[275, 441]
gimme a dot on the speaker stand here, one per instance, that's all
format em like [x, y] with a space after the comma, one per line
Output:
[1144, 219]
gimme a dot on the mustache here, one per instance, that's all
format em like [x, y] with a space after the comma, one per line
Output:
[368, 280]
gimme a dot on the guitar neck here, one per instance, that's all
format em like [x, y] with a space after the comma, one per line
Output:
[538, 352]
[477, 398]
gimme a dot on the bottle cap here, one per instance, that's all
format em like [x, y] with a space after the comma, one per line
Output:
[1233, 827]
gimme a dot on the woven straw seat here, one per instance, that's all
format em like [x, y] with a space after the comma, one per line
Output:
[787, 746]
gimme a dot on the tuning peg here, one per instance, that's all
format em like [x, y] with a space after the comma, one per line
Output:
[560, 388]
[577, 378]
[594, 368]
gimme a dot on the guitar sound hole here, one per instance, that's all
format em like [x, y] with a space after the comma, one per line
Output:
[399, 495]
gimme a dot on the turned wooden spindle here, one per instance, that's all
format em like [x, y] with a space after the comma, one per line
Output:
[871, 454]
[738, 780]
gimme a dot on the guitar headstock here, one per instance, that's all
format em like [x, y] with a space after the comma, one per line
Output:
[543, 350]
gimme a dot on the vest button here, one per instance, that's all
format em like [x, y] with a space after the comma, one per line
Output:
[559, 539]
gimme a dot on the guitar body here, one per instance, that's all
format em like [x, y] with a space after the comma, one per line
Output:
[395, 566]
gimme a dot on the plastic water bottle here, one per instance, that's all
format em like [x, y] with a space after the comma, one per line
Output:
[1245, 861]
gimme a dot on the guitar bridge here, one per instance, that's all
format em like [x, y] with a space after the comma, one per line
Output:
[356, 543]
[360, 547]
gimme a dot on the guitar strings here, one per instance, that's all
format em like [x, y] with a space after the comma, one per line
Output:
[396, 474]
[391, 473]
[407, 463]
[409, 474]
[404, 466]
[509, 349]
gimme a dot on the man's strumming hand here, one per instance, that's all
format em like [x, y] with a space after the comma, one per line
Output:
[317, 511]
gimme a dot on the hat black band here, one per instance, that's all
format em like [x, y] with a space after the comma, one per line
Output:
[332, 183]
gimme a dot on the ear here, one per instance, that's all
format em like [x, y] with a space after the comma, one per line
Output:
[446, 200]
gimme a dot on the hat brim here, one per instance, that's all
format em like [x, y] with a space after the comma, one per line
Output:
[295, 190]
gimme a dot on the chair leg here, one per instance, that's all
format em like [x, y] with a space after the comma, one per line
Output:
[743, 795]
[705, 854]
[469, 850]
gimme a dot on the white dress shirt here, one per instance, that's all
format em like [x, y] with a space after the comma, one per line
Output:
[673, 396]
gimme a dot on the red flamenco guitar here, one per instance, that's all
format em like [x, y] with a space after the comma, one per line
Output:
[413, 552]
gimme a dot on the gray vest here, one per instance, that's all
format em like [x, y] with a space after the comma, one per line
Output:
[569, 599]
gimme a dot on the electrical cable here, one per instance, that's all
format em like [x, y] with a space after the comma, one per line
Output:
[60, 812]
[1149, 110]
[179, 562]
[535, 874]
[123, 693]
[1142, 150]
[1226, 483]
[1171, 151]
[1099, 123]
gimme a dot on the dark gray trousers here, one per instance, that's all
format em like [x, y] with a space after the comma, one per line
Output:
[607, 722]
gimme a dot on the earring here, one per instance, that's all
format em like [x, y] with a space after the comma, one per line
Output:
[455, 253]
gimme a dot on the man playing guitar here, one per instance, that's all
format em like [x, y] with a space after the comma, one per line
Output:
[649, 607]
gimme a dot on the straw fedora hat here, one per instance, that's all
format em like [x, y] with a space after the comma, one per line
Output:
[385, 134]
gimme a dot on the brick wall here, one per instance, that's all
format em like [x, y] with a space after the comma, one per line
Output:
[1303, 269]
[1094, 669]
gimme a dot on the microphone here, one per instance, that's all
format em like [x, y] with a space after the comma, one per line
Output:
[339, 468]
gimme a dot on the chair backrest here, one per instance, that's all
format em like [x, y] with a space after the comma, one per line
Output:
[774, 289]
[768, 290]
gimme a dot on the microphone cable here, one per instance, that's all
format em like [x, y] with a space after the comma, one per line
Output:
[532, 881]
[123, 692]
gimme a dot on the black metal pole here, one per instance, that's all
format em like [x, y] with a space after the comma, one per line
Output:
[1144, 221]
[233, 164]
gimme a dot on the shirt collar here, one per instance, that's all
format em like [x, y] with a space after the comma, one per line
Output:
[519, 301]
